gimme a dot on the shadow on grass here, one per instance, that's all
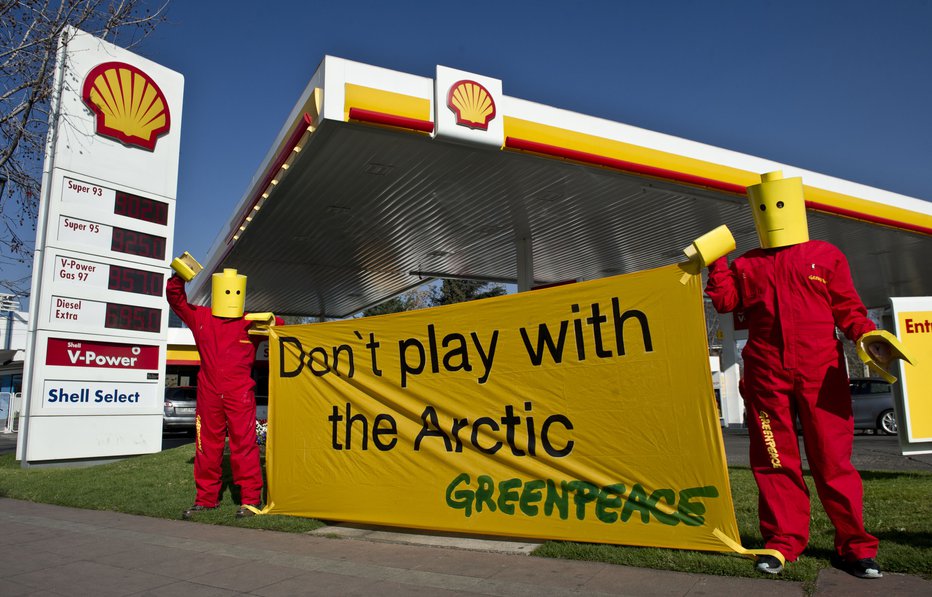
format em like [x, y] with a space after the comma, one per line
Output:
[819, 553]
[878, 475]
[892, 475]
[918, 539]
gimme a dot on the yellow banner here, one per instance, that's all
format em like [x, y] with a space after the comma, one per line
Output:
[581, 412]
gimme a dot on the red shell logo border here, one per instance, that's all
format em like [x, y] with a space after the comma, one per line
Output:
[456, 111]
[121, 136]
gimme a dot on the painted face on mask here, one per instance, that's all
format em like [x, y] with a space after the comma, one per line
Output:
[228, 294]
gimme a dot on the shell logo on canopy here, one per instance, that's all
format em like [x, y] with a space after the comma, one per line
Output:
[472, 103]
[128, 104]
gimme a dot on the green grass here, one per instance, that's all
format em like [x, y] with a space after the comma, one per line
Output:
[159, 485]
[896, 509]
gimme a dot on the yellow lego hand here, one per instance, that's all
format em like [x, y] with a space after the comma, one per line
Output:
[710, 246]
[186, 266]
[878, 350]
[261, 322]
[706, 249]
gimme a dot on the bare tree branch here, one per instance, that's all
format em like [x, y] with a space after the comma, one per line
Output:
[30, 31]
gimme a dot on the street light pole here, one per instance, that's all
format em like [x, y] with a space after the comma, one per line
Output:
[8, 304]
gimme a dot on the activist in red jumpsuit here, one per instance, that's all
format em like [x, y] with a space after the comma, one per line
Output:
[794, 292]
[226, 402]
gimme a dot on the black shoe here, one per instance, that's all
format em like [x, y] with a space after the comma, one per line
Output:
[196, 509]
[863, 568]
[768, 565]
[245, 512]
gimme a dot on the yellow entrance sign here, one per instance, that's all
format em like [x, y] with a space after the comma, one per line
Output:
[913, 320]
[581, 412]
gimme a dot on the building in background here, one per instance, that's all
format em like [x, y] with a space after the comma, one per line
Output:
[13, 323]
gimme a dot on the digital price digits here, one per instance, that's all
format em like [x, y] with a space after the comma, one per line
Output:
[137, 243]
[133, 317]
[140, 208]
[128, 279]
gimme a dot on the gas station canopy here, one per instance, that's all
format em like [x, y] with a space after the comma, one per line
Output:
[381, 181]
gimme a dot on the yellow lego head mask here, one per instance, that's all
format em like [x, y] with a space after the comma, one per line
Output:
[779, 210]
[227, 294]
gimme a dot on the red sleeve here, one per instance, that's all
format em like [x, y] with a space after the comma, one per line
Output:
[847, 309]
[178, 300]
[721, 287]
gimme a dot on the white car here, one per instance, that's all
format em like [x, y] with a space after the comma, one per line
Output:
[180, 404]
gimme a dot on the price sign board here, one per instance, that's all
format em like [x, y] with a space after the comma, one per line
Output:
[94, 273]
[99, 294]
[84, 314]
[87, 195]
[96, 346]
[107, 219]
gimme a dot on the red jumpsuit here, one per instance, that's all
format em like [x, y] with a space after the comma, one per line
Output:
[226, 400]
[793, 298]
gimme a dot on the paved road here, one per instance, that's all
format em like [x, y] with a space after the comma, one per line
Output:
[52, 550]
[871, 452]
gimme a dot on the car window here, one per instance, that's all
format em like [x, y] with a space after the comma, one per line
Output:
[181, 393]
[879, 387]
[869, 386]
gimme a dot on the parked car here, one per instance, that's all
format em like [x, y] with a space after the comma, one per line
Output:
[872, 400]
[872, 403]
[180, 402]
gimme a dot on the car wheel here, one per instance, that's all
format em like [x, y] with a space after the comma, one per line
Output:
[886, 422]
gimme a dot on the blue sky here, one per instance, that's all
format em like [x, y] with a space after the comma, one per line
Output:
[836, 87]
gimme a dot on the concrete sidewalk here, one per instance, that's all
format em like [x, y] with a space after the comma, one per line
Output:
[51, 550]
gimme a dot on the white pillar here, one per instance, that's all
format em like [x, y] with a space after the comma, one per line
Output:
[525, 263]
[732, 404]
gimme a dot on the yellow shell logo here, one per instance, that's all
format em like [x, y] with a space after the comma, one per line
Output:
[129, 106]
[472, 103]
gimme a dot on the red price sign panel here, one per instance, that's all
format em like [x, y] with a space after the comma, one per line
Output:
[119, 203]
[140, 208]
[133, 318]
[88, 313]
[104, 239]
[110, 355]
[83, 273]
[137, 243]
[130, 279]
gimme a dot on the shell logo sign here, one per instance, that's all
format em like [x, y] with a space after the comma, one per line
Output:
[128, 104]
[472, 104]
